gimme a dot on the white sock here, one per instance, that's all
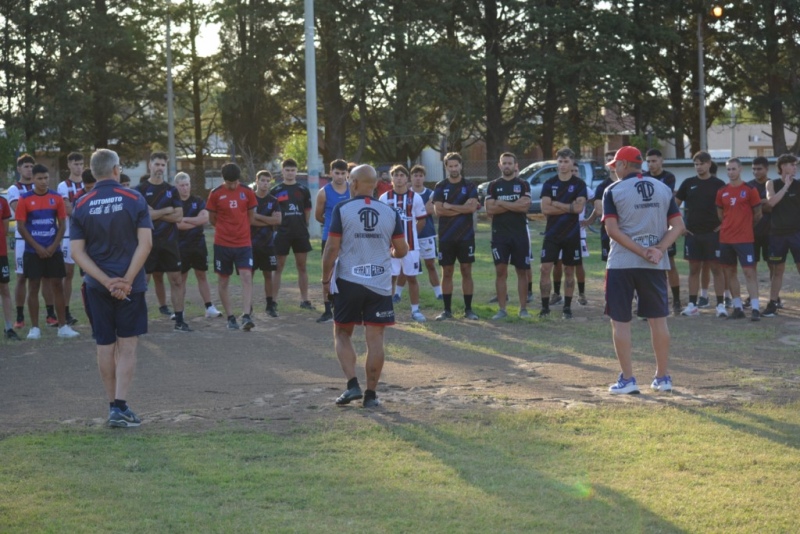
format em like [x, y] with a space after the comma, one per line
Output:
[437, 290]
[737, 303]
[704, 293]
[399, 290]
[414, 308]
[727, 294]
[754, 304]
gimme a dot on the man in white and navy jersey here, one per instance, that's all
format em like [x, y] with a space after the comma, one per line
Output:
[364, 236]
[642, 220]
[411, 209]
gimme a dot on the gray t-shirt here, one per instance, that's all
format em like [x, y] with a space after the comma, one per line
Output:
[642, 207]
[366, 227]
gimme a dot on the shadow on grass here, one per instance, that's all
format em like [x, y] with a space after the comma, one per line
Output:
[515, 475]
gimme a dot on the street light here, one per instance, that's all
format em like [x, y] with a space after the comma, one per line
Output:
[716, 11]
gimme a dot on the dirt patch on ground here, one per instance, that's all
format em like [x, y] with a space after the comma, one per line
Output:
[285, 371]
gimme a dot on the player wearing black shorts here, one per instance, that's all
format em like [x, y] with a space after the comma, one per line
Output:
[192, 241]
[455, 200]
[761, 230]
[166, 210]
[783, 195]
[655, 169]
[563, 199]
[292, 234]
[701, 243]
[262, 234]
[507, 201]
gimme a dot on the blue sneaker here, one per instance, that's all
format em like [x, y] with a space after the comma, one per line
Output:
[624, 387]
[119, 419]
[663, 383]
[396, 298]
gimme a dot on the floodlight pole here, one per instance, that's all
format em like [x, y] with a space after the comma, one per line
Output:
[701, 84]
[172, 169]
[311, 116]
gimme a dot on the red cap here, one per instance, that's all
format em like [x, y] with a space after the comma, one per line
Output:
[626, 153]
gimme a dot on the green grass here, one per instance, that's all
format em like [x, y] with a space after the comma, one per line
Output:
[626, 469]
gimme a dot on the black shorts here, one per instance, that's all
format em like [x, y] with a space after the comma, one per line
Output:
[194, 257]
[225, 258]
[285, 243]
[515, 250]
[355, 304]
[5, 271]
[780, 246]
[568, 249]
[672, 250]
[605, 246]
[165, 257]
[35, 267]
[450, 251]
[650, 286]
[264, 259]
[112, 318]
[701, 247]
[761, 246]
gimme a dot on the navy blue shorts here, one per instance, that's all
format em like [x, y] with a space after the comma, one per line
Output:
[729, 253]
[780, 245]
[515, 250]
[112, 318]
[5, 272]
[225, 258]
[649, 284]
[356, 304]
[761, 246]
[605, 245]
[701, 247]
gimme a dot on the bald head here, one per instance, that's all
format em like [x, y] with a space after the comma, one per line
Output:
[363, 179]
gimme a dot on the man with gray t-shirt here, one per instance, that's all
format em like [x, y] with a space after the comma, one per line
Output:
[642, 220]
[363, 237]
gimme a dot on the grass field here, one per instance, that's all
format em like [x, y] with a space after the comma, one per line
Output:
[608, 467]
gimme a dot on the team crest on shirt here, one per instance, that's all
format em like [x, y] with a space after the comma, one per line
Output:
[463, 190]
[194, 205]
[517, 189]
[241, 196]
[555, 191]
[52, 202]
[743, 194]
[571, 189]
[169, 194]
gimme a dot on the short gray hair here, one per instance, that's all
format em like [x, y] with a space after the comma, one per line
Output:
[182, 176]
[103, 162]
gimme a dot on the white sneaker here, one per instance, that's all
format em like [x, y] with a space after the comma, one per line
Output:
[212, 312]
[721, 311]
[418, 317]
[67, 332]
[34, 333]
[691, 310]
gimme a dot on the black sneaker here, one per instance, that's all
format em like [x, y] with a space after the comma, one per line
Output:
[471, 315]
[755, 315]
[272, 309]
[164, 310]
[182, 327]
[10, 334]
[738, 313]
[326, 317]
[544, 313]
[780, 304]
[676, 308]
[771, 310]
[746, 304]
[728, 302]
[71, 320]
[702, 302]
[566, 313]
[371, 403]
[349, 396]
[582, 299]
[306, 305]
[119, 419]
[444, 316]
[232, 324]
[247, 322]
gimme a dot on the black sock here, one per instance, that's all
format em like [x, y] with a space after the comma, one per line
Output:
[51, 312]
[557, 288]
[110, 405]
[20, 312]
[530, 287]
[121, 404]
[327, 306]
[370, 394]
[720, 300]
[468, 302]
[231, 318]
[448, 301]
[693, 299]
[66, 311]
[545, 303]
[567, 302]
[208, 305]
[352, 383]
[676, 293]
[581, 288]
[178, 317]
[269, 301]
